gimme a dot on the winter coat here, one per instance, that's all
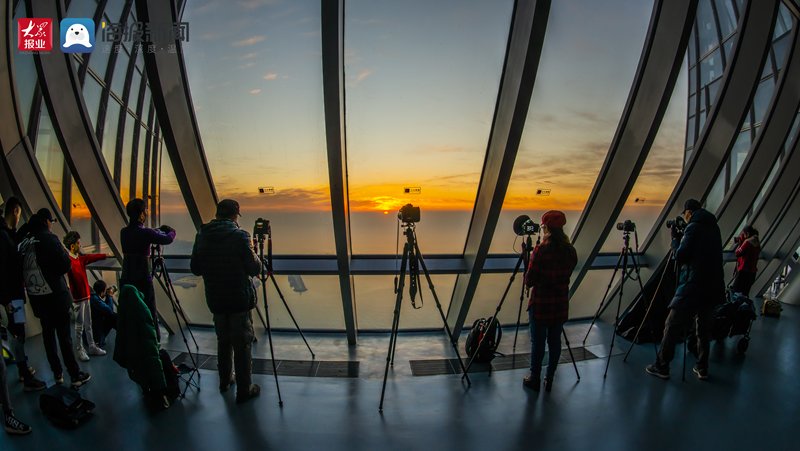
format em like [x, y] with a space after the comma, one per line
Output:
[136, 347]
[12, 285]
[747, 255]
[136, 240]
[223, 255]
[701, 279]
[45, 263]
[548, 273]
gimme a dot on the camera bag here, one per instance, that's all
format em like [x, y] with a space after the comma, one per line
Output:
[490, 334]
[64, 407]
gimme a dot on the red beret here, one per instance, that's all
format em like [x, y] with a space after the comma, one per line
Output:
[554, 219]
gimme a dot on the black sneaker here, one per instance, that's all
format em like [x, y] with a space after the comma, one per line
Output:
[530, 382]
[656, 371]
[253, 392]
[81, 379]
[548, 384]
[33, 384]
[59, 378]
[15, 427]
[223, 387]
[31, 372]
[701, 374]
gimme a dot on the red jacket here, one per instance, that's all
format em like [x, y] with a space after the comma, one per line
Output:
[549, 270]
[747, 255]
[78, 282]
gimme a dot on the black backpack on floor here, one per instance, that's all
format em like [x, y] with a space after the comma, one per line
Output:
[64, 407]
[480, 329]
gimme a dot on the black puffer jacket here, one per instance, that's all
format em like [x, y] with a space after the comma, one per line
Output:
[223, 256]
[11, 285]
[45, 262]
[701, 279]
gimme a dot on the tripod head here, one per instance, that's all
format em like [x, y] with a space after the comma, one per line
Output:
[262, 231]
[156, 260]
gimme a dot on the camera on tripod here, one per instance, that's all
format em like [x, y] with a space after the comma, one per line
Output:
[261, 228]
[408, 214]
[524, 225]
[627, 226]
[679, 224]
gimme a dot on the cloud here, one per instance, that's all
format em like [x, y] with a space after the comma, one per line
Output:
[249, 56]
[270, 76]
[255, 4]
[246, 65]
[252, 40]
[255, 92]
[363, 74]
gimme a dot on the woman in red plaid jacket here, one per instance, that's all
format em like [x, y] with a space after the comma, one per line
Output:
[549, 270]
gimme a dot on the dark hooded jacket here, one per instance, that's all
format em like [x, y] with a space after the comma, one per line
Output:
[11, 282]
[701, 279]
[136, 346]
[223, 256]
[45, 263]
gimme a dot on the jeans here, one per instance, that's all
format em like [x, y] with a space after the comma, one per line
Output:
[235, 336]
[59, 326]
[677, 327]
[539, 334]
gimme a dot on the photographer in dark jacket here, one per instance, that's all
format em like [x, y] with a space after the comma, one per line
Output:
[223, 255]
[700, 286]
[45, 262]
[136, 242]
[12, 290]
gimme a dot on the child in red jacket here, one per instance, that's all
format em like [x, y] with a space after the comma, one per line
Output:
[79, 286]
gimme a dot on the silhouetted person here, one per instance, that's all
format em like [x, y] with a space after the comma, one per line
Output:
[700, 286]
[747, 251]
[223, 255]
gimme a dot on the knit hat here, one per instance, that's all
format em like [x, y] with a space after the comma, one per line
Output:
[554, 219]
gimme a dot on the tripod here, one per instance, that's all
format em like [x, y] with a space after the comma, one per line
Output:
[670, 261]
[161, 273]
[527, 247]
[413, 258]
[267, 265]
[622, 262]
[264, 231]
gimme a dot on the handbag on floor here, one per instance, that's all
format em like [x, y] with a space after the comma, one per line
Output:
[65, 407]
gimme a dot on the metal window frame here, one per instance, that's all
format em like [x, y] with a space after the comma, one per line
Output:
[659, 66]
[333, 84]
[169, 87]
[523, 51]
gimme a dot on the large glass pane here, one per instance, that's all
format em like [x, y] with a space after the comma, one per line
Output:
[82, 8]
[375, 301]
[660, 172]
[312, 299]
[714, 199]
[109, 144]
[588, 62]
[413, 122]
[706, 26]
[50, 157]
[80, 218]
[140, 175]
[174, 212]
[120, 73]
[127, 153]
[261, 115]
[739, 152]
[727, 17]
[487, 297]
[92, 91]
[710, 68]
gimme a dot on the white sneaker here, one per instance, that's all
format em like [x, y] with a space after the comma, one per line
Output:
[95, 350]
[81, 354]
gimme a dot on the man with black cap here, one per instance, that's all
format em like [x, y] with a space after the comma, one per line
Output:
[700, 286]
[12, 291]
[136, 241]
[45, 262]
[223, 255]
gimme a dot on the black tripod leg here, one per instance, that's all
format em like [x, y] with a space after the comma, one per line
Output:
[261, 317]
[494, 317]
[453, 341]
[624, 258]
[519, 314]
[395, 323]
[288, 310]
[603, 300]
[649, 307]
[269, 334]
[569, 348]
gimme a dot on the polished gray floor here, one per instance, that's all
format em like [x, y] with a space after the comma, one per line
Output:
[749, 403]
